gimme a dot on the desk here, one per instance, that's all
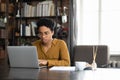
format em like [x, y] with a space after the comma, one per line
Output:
[46, 74]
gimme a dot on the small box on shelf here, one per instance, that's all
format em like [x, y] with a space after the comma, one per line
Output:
[3, 7]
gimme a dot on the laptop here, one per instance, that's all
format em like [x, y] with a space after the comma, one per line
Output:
[23, 56]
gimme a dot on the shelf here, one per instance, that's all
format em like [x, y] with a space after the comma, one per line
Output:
[2, 13]
[29, 0]
[2, 27]
[26, 36]
[38, 17]
[2, 39]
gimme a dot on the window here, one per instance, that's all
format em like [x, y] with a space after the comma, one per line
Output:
[99, 23]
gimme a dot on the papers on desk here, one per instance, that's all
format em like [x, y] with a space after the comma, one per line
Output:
[63, 68]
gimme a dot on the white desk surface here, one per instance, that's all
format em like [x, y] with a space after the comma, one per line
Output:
[99, 74]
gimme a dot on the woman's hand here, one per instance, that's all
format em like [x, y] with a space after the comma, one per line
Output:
[43, 62]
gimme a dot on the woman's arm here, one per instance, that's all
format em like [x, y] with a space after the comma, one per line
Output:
[64, 58]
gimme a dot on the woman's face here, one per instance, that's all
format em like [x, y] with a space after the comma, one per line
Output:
[45, 34]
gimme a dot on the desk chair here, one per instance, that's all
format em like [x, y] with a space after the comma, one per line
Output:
[85, 53]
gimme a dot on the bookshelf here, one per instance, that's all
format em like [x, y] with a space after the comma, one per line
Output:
[6, 13]
[26, 14]
[2, 29]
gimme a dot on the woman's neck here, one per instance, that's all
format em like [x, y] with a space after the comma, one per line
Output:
[48, 44]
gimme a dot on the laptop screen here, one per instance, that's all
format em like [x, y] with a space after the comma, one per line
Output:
[23, 56]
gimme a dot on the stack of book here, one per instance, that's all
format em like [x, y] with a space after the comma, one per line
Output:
[45, 8]
[28, 29]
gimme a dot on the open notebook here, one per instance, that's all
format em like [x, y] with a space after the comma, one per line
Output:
[23, 56]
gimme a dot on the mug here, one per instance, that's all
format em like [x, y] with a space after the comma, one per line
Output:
[80, 65]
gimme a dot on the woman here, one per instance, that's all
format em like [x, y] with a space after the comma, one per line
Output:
[51, 51]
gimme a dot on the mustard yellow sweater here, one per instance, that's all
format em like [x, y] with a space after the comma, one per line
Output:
[57, 55]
